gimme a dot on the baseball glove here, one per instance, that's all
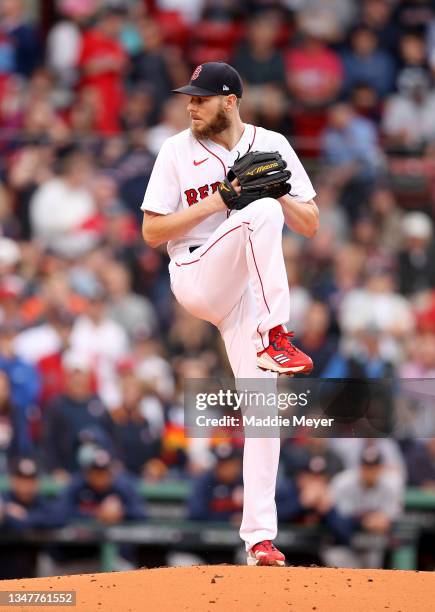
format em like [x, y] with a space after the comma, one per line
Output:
[260, 175]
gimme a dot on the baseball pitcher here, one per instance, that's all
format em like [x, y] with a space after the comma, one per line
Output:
[219, 195]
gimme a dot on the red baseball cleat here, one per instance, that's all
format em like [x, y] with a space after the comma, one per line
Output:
[265, 553]
[282, 356]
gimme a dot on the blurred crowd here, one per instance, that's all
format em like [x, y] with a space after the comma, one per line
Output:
[94, 349]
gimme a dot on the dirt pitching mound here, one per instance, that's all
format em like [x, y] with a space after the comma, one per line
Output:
[236, 588]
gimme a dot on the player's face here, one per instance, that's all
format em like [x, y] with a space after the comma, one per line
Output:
[208, 116]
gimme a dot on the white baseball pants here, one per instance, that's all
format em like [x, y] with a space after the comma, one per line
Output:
[237, 281]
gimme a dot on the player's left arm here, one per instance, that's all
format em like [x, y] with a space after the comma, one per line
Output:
[300, 217]
[301, 214]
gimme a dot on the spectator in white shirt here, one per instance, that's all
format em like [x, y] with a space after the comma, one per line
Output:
[408, 122]
[63, 212]
[103, 340]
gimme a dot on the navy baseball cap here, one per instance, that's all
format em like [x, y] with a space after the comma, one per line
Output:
[213, 79]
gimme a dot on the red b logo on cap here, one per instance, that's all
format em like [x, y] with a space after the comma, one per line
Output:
[196, 72]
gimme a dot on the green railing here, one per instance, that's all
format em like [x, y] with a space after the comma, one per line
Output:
[419, 514]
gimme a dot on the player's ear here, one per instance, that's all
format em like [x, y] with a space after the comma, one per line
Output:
[230, 102]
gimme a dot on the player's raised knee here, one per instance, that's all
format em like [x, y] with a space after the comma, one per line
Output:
[270, 208]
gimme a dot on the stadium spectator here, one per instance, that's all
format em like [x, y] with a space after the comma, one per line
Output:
[378, 305]
[12, 286]
[420, 462]
[352, 153]
[71, 413]
[315, 337]
[365, 62]
[73, 228]
[217, 495]
[23, 36]
[137, 445]
[149, 67]
[332, 217]
[129, 163]
[416, 259]
[314, 71]
[373, 499]
[102, 340]
[376, 15]
[350, 451]
[297, 452]
[415, 413]
[24, 508]
[50, 365]
[189, 338]
[137, 110]
[421, 357]
[14, 427]
[151, 365]
[10, 257]
[129, 310]
[300, 297]
[366, 103]
[174, 119]
[387, 216]
[23, 376]
[98, 494]
[335, 16]
[102, 63]
[64, 41]
[307, 500]
[413, 52]
[8, 228]
[413, 15]
[258, 60]
[407, 119]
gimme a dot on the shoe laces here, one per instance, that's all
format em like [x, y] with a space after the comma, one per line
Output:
[281, 341]
[265, 545]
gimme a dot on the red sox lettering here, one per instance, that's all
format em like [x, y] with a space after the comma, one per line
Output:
[194, 195]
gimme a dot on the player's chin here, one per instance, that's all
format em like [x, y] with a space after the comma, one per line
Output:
[198, 128]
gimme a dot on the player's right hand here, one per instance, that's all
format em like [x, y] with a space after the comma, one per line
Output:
[219, 201]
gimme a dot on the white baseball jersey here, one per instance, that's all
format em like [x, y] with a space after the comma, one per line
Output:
[188, 170]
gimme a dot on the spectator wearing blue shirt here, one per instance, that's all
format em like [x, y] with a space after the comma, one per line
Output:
[22, 508]
[14, 428]
[99, 492]
[351, 151]
[23, 36]
[364, 359]
[365, 62]
[136, 443]
[24, 377]
[217, 495]
[71, 414]
[306, 499]
[102, 494]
